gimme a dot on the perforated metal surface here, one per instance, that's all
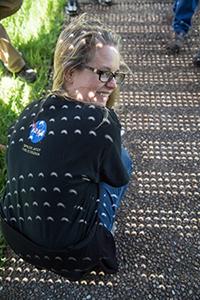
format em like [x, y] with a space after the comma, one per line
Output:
[158, 232]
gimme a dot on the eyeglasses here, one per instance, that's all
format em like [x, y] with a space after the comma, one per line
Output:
[106, 76]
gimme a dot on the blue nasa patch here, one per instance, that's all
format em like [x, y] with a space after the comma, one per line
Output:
[38, 131]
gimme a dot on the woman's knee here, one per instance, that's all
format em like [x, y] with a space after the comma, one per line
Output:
[127, 161]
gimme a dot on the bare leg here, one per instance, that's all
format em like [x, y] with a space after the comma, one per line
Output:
[11, 58]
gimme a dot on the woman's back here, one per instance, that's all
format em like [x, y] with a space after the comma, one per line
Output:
[53, 175]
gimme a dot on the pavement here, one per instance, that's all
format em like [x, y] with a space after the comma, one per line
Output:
[158, 225]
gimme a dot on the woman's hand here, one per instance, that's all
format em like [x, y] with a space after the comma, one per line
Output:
[2, 147]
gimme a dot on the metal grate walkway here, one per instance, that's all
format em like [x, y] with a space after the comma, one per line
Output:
[158, 233]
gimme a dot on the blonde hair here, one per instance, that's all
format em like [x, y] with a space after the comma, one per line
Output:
[76, 46]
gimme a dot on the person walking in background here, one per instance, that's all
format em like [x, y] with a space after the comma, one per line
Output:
[72, 171]
[183, 13]
[10, 57]
[73, 5]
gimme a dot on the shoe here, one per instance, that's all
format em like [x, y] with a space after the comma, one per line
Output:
[168, 18]
[105, 2]
[108, 2]
[196, 59]
[176, 43]
[72, 8]
[27, 74]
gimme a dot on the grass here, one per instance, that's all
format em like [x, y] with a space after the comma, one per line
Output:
[33, 30]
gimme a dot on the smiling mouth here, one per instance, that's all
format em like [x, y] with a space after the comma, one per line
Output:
[104, 94]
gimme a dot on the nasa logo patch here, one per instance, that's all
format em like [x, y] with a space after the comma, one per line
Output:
[38, 131]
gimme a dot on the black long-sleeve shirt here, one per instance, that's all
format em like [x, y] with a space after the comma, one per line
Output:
[58, 153]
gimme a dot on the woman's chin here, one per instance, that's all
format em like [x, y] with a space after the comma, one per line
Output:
[101, 100]
[97, 100]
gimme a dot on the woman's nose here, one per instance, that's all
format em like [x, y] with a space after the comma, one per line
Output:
[112, 84]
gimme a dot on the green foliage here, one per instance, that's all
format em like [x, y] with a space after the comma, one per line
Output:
[33, 30]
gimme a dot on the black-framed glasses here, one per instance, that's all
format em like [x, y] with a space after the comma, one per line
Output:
[106, 76]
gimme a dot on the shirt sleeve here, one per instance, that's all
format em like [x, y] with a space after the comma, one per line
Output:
[112, 169]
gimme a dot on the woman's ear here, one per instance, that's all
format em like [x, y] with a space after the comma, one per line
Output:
[69, 76]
